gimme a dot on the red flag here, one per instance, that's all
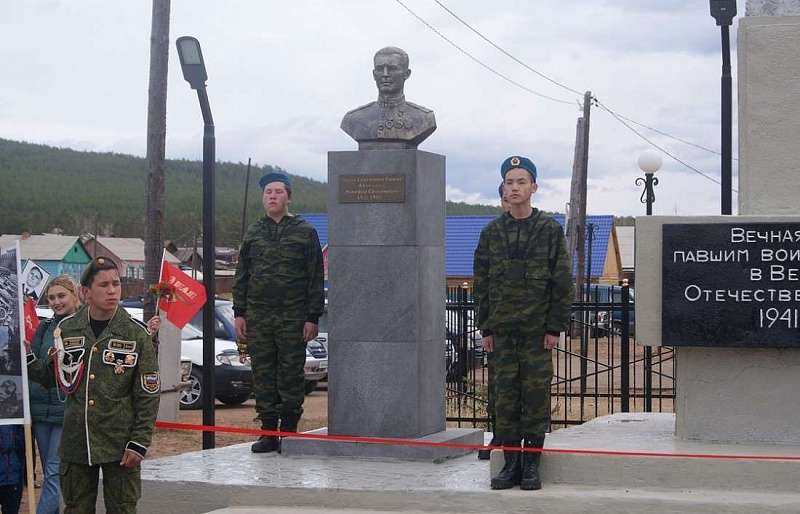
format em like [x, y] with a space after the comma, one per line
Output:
[186, 296]
[31, 319]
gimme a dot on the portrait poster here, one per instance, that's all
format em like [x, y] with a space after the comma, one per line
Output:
[14, 408]
[33, 280]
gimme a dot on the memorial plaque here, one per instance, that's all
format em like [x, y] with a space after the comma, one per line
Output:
[735, 285]
[372, 189]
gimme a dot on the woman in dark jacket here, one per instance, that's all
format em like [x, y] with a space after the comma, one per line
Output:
[47, 406]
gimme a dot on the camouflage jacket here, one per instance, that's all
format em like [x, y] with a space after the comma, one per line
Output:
[280, 270]
[523, 275]
[115, 405]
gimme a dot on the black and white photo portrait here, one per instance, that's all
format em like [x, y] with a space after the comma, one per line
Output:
[33, 279]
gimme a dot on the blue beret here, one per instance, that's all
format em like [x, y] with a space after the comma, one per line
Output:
[275, 177]
[517, 161]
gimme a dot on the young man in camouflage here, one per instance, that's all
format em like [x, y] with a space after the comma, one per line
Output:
[278, 298]
[107, 367]
[523, 284]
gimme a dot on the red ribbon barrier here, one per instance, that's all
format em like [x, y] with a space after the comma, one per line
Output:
[409, 442]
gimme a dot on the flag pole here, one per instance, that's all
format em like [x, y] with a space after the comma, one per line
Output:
[160, 278]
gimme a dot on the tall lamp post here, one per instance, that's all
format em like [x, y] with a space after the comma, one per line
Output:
[194, 71]
[723, 12]
[649, 162]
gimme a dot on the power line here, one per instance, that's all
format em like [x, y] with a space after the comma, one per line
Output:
[676, 138]
[505, 52]
[478, 61]
[620, 118]
[560, 84]
[653, 144]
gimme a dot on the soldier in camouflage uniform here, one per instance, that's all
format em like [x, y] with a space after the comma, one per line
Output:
[112, 389]
[278, 298]
[523, 284]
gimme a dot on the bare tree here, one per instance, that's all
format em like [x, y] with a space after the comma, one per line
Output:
[156, 142]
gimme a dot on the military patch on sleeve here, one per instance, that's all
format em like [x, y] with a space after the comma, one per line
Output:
[74, 342]
[121, 346]
[151, 382]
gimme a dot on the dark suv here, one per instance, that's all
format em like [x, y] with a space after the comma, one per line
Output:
[610, 320]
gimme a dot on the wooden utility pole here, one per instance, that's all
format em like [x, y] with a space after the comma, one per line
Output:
[575, 190]
[576, 224]
[156, 142]
[244, 203]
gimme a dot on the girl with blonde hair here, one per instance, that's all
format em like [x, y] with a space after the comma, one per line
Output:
[47, 407]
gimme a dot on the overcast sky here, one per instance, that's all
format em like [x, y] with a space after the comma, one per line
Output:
[283, 73]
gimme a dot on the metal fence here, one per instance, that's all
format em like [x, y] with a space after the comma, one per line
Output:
[598, 367]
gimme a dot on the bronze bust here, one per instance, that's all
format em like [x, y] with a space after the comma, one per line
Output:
[391, 122]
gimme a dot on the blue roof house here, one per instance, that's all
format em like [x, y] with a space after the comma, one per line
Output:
[461, 239]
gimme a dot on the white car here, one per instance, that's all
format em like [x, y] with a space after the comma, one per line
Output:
[233, 380]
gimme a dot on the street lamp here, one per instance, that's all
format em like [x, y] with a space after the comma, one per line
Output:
[649, 163]
[194, 71]
[723, 12]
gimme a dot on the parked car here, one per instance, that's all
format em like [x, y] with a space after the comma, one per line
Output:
[609, 320]
[233, 380]
[316, 367]
[322, 337]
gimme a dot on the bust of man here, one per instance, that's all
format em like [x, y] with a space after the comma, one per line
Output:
[391, 122]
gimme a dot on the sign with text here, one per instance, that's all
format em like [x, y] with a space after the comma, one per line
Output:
[372, 189]
[734, 285]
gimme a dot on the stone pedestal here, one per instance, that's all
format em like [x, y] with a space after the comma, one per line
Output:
[746, 395]
[386, 304]
[734, 395]
[386, 300]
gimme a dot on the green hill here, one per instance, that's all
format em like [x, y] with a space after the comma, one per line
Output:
[45, 187]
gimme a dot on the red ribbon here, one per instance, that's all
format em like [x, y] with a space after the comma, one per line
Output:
[410, 442]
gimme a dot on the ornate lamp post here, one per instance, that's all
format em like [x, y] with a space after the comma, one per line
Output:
[649, 163]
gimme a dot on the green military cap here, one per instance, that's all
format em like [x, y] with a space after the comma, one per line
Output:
[94, 267]
[517, 161]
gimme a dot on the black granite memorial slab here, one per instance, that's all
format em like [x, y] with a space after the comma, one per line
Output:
[731, 285]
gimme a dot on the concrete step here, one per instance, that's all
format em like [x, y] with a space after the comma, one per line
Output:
[654, 432]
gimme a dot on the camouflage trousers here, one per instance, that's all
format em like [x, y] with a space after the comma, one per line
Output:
[278, 356]
[523, 371]
[122, 487]
[491, 394]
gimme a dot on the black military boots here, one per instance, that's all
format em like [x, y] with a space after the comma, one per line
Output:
[530, 480]
[267, 443]
[511, 473]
